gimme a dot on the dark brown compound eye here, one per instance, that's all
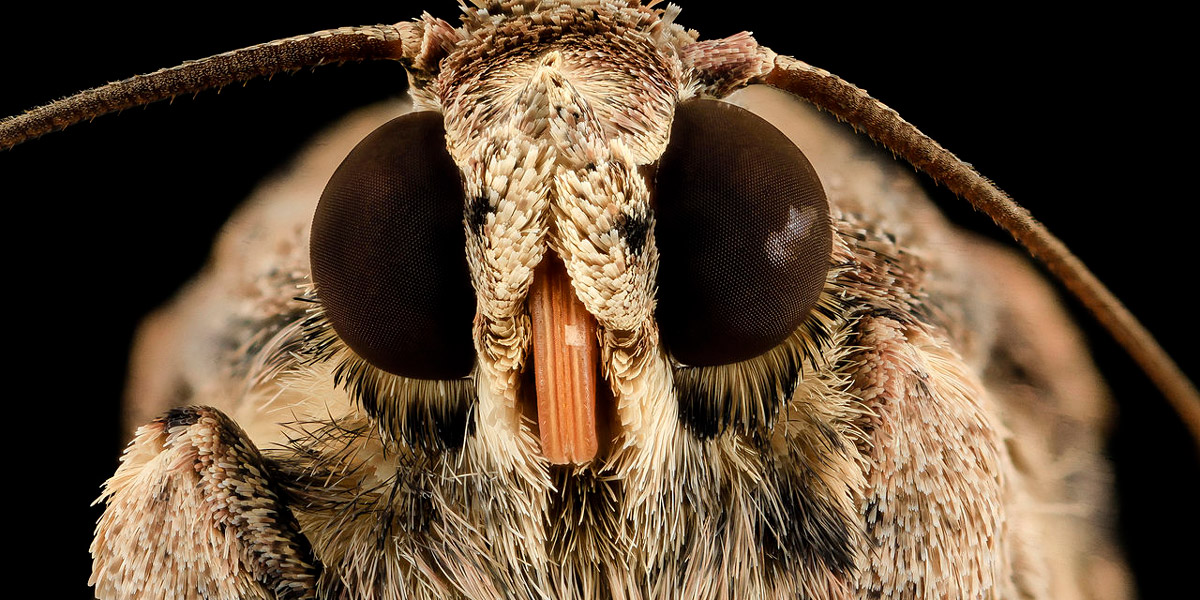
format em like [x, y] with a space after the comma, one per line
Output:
[743, 234]
[387, 252]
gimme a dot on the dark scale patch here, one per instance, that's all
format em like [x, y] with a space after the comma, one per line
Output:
[582, 525]
[745, 395]
[873, 517]
[441, 424]
[266, 329]
[800, 528]
[706, 79]
[705, 416]
[582, 497]
[634, 230]
[315, 341]
[927, 313]
[181, 417]
[246, 338]
[432, 415]
[478, 209]
[889, 313]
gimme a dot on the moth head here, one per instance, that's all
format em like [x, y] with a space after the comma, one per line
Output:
[692, 238]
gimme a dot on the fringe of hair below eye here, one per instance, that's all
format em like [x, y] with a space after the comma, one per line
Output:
[432, 414]
[428, 414]
[749, 394]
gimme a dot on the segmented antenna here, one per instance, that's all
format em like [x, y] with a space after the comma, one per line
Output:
[853, 105]
[331, 46]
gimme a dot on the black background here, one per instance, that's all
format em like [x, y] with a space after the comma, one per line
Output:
[1079, 117]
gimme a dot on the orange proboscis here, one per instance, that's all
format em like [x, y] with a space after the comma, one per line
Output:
[565, 358]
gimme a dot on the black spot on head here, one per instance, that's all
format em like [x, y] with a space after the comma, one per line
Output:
[634, 230]
[800, 526]
[477, 212]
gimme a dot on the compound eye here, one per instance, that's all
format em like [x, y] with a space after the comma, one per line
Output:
[743, 234]
[388, 256]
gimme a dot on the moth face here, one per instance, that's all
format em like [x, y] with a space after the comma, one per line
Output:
[578, 254]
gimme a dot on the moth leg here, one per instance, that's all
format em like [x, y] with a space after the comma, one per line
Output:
[192, 512]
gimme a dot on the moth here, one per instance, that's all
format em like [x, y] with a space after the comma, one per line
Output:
[774, 45]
